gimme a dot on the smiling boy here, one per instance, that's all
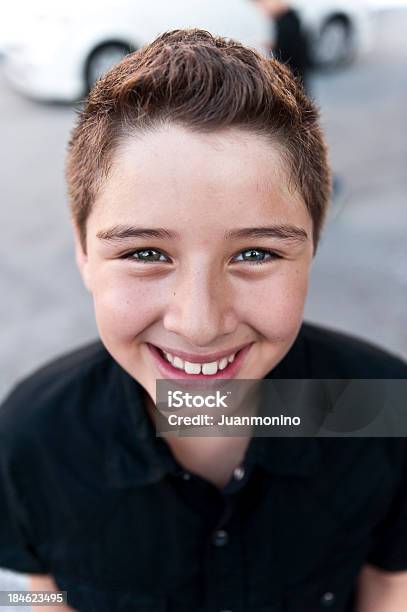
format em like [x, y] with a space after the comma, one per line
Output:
[199, 183]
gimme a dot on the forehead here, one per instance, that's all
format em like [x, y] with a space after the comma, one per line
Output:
[174, 174]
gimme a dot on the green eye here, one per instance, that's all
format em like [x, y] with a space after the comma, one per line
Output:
[263, 253]
[144, 255]
[254, 256]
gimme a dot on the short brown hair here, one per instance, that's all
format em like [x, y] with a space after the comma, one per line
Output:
[205, 83]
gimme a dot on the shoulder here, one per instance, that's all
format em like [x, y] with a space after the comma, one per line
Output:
[330, 353]
[49, 435]
[55, 389]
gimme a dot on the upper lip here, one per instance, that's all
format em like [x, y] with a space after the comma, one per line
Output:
[209, 358]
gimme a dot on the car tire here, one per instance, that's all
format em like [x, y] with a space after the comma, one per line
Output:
[335, 45]
[102, 59]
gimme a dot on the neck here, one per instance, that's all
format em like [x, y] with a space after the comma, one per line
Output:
[211, 457]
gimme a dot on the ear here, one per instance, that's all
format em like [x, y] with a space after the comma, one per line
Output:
[82, 260]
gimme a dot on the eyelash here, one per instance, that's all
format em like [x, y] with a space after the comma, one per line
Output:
[272, 254]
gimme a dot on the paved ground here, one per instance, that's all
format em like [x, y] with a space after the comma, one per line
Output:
[360, 276]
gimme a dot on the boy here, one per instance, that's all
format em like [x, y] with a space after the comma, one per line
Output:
[199, 182]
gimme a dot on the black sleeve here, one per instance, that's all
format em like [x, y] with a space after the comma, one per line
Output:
[389, 550]
[16, 552]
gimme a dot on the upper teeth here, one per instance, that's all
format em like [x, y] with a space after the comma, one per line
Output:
[197, 368]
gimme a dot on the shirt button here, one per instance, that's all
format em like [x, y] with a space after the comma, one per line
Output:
[239, 473]
[186, 476]
[327, 599]
[220, 537]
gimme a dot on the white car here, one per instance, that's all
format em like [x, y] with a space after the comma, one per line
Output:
[56, 49]
[341, 29]
[387, 5]
[59, 51]
[338, 29]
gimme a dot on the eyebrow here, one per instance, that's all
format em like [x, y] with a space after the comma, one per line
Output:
[281, 232]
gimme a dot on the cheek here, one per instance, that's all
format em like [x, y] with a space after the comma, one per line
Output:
[273, 306]
[276, 306]
[124, 308]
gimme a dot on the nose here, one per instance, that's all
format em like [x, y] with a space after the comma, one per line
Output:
[200, 308]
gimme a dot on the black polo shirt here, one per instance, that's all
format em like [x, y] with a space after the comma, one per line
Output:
[91, 496]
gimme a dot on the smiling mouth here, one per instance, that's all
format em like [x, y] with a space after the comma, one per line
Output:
[206, 368]
[172, 366]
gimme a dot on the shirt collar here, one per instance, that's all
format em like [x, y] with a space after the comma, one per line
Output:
[136, 456]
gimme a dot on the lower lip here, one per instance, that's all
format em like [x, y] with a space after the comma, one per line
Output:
[168, 371]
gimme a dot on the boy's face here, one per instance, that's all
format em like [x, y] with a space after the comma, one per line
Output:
[201, 292]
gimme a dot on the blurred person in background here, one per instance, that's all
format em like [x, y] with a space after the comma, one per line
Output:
[290, 45]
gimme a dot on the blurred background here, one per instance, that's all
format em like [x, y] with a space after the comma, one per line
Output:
[51, 53]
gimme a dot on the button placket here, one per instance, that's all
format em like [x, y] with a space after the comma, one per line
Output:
[239, 473]
[226, 563]
[328, 599]
[238, 480]
[220, 538]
